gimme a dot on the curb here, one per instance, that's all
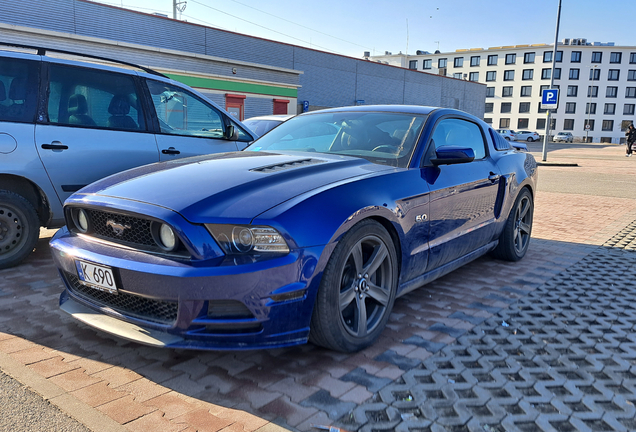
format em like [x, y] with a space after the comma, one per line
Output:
[90, 417]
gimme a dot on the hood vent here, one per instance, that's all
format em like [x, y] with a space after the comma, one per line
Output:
[287, 165]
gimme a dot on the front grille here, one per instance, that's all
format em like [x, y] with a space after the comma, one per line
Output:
[159, 311]
[228, 309]
[136, 230]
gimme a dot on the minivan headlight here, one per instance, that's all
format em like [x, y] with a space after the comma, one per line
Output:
[248, 239]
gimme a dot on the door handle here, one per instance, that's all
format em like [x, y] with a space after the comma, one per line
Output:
[55, 145]
[493, 177]
[171, 151]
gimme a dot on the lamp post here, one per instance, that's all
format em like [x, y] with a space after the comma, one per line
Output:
[589, 107]
[554, 53]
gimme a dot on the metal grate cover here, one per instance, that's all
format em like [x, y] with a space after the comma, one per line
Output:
[163, 312]
[288, 165]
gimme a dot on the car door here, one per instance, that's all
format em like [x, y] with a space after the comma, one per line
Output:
[462, 196]
[94, 127]
[189, 125]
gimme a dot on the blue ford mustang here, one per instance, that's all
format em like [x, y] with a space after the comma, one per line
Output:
[309, 234]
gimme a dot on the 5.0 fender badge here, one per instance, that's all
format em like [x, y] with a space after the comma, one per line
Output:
[421, 218]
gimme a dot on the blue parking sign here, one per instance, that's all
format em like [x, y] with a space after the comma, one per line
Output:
[550, 99]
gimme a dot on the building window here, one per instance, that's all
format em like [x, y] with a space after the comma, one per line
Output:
[457, 75]
[489, 107]
[631, 75]
[526, 91]
[506, 107]
[491, 75]
[630, 92]
[615, 57]
[570, 108]
[474, 60]
[632, 58]
[413, 64]
[568, 124]
[527, 74]
[427, 64]
[488, 120]
[597, 57]
[528, 57]
[458, 62]
[522, 123]
[590, 108]
[557, 73]
[543, 87]
[613, 74]
[610, 109]
[592, 91]
[509, 75]
[492, 60]
[541, 110]
[628, 109]
[573, 91]
[608, 125]
[490, 91]
[546, 73]
[574, 74]
[507, 91]
[611, 92]
[589, 122]
[474, 76]
[524, 107]
[504, 123]
[547, 56]
[511, 58]
[595, 74]
[541, 123]
[441, 63]
[576, 57]
[625, 124]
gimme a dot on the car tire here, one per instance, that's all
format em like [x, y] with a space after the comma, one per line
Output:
[530, 139]
[349, 290]
[19, 228]
[507, 138]
[515, 238]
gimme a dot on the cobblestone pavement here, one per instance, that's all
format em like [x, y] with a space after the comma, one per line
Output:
[432, 368]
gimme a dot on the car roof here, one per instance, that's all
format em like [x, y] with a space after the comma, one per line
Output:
[279, 117]
[410, 109]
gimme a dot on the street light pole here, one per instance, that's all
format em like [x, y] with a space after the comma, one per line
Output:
[554, 53]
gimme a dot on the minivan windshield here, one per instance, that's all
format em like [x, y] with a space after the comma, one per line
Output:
[380, 137]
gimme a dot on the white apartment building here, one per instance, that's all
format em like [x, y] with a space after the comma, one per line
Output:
[596, 81]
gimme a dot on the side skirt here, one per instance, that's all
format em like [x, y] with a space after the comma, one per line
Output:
[413, 284]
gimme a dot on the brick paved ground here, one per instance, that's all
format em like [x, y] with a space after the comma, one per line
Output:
[145, 388]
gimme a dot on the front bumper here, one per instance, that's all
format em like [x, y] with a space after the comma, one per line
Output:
[200, 305]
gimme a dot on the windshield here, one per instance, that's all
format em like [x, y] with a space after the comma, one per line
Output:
[379, 137]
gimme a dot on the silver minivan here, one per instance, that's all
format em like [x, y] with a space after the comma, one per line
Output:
[65, 123]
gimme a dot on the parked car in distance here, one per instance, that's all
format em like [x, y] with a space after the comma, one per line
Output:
[263, 124]
[527, 136]
[563, 137]
[301, 236]
[65, 123]
[507, 134]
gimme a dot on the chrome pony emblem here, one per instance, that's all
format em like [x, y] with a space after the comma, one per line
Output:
[117, 227]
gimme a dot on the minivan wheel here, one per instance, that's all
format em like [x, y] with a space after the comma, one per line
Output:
[19, 228]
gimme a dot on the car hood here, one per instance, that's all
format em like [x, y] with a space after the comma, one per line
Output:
[237, 185]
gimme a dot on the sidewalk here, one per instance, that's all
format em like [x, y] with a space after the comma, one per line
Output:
[109, 384]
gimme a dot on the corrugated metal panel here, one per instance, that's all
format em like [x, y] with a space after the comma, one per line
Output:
[258, 107]
[422, 94]
[93, 19]
[374, 90]
[239, 47]
[55, 15]
[315, 58]
[325, 87]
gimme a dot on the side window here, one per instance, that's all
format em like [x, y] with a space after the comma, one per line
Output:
[93, 98]
[182, 113]
[18, 90]
[460, 133]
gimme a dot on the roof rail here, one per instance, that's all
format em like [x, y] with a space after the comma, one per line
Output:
[42, 51]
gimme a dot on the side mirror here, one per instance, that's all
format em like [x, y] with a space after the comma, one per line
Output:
[449, 155]
[231, 133]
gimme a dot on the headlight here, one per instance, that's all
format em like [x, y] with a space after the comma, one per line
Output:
[80, 220]
[246, 239]
[164, 236]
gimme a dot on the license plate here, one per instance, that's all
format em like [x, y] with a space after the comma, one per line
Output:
[96, 276]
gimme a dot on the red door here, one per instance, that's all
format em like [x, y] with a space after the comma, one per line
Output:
[280, 106]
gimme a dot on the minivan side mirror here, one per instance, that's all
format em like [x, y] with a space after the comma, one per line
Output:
[450, 155]
[231, 133]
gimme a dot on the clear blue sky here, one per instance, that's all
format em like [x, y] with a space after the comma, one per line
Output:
[352, 27]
